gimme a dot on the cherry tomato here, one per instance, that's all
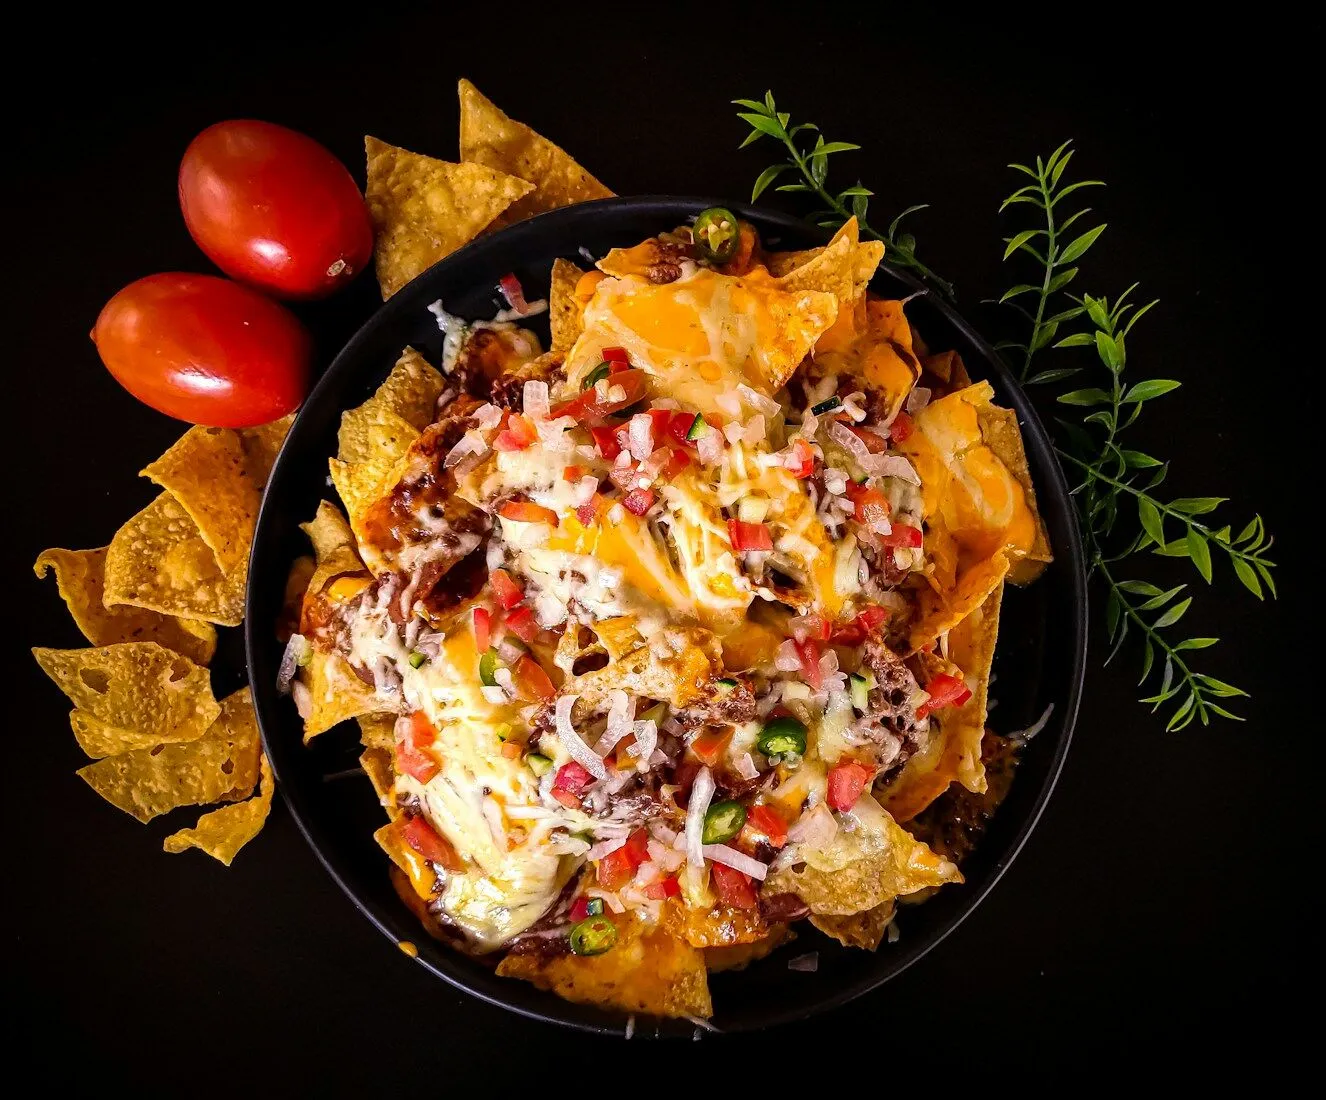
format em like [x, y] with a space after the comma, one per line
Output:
[204, 349]
[272, 207]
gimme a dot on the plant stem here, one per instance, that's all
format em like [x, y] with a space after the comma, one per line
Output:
[1050, 251]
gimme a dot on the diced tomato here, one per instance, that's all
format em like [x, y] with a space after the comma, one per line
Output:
[587, 514]
[588, 408]
[512, 750]
[509, 593]
[639, 501]
[422, 732]
[579, 910]
[573, 777]
[514, 293]
[663, 889]
[875, 443]
[522, 623]
[767, 821]
[615, 355]
[902, 427]
[661, 419]
[574, 473]
[567, 799]
[846, 782]
[801, 462]
[749, 536]
[677, 461]
[531, 681]
[711, 745]
[605, 439]
[426, 840]
[483, 628]
[518, 434]
[679, 427]
[813, 626]
[871, 504]
[410, 755]
[733, 887]
[808, 650]
[902, 535]
[859, 629]
[620, 756]
[526, 511]
[944, 691]
[617, 868]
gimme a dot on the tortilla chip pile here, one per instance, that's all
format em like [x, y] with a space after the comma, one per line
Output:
[150, 603]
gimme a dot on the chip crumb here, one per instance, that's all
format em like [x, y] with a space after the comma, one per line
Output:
[408, 948]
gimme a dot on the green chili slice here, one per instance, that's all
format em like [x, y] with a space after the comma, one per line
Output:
[699, 426]
[418, 660]
[782, 735]
[723, 821]
[593, 936]
[825, 406]
[488, 669]
[717, 234]
[538, 763]
[591, 379]
[725, 685]
[594, 907]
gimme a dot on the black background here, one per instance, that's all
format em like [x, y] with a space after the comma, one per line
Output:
[1157, 911]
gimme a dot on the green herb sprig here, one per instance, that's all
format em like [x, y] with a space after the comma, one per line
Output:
[1110, 473]
[811, 161]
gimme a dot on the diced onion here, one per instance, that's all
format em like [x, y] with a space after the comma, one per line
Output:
[815, 828]
[755, 430]
[730, 857]
[581, 753]
[606, 847]
[471, 443]
[758, 401]
[509, 652]
[621, 712]
[852, 443]
[494, 694]
[640, 435]
[535, 397]
[295, 651]
[786, 659]
[895, 466]
[303, 698]
[745, 767]
[487, 417]
[702, 793]
[646, 740]
[918, 399]
[710, 446]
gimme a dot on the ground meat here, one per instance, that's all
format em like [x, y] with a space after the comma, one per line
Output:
[508, 391]
[954, 823]
[721, 708]
[663, 272]
[890, 700]
[783, 908]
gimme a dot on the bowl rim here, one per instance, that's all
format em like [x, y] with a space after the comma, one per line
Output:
[670, 210]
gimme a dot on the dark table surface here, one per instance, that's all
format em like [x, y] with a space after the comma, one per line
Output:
[1153, 911]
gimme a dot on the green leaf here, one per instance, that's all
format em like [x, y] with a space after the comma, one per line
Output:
[1214, 709]
[1014, 243]
[1152, 387]
[1138, 460]
[819, 168]
[1080, 245]
[1113, 613]
[750, 104]
[1023, 168]
[1195, 643]
[836, 147]
[1139, 315]
[1064, 315]
[1104, 417]
[1250, 530]
[769, 101]
[764, 124]
[793, 187]
[1084, 397]
[860, 203]
[1248, 576]
[1054, 374]
[1096, 311]
[1108, 351]
[854, 191]
[1044, 334]
[1140, 588]
[1218, 688]
[1200, 553]
[1160, 599]
[1264, 569]
[1075, 186]
[1173, 615]
[1061, 280]
[1058, 167]
[1021, 288]
[1148, 659]
[1077, 340]
[1182, 716]
[767, 177]
[1149, 516]
[1197, 506]
[1176, 549]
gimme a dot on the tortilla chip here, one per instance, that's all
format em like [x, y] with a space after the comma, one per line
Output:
[292, 599]
[223, 764]
[158, 560]
[1000, 432]
[222, 833]
[942, 613]
[336, 694]
[564, 310]
[424, 209]
[378, 731]
[679, 679]
[334, 545]
[261, 446]
[206, 471]
[864, 930]
[720, 926]
[830, 270]
[740, 955]
[97, 738]
[489, 137]
[135, 688]
[81, 576]
[647, 971]
[377, 766]
[861, 869]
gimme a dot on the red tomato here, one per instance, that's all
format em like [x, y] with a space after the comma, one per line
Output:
[639, 501]
[710, 745]
[733, 887]
[483, 628]
[663, 889]
[748, 536]
[426, 840]
[205, 350]
[522, 623]
[617, 868]
[901, 535]
[846, 782]
[509, 593]
[766, 820]
[902, 427]
[531, 681]
[808, 651]
[573, 777]
[526, 511]
[272, 207]
[945, 691]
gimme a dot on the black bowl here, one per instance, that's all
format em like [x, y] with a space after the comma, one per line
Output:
[1041, 656]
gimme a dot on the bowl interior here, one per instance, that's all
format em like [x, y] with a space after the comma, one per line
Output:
[1040, 659]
